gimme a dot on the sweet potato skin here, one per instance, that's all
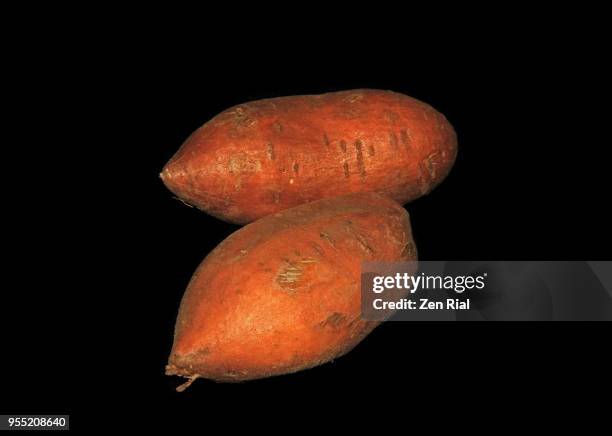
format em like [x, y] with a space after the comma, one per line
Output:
[283, 294]
[268, 155]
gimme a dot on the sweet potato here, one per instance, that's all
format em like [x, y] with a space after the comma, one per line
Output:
[268, 155]
[283, 294]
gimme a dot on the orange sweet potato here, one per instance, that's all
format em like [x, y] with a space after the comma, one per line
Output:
[283, 294]
[268, 155]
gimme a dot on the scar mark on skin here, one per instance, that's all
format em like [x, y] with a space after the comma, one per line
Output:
[354, 97]
[325, 140]
[343, 146]
[393, 139]
[317, 248]
[362, 241]
[346, 169]
[405, 137]
[290, 276]
[360, 164]
[430, 168]
[430, 165]
[333, 321]
[425, 179]
[325, 236]
[241, 254]
[270, 151]
[408, 251]
[248, 122]
[391, 116]
[350, 113]
[296, 168]
[241, 119]
[371, 150]
[242, 163]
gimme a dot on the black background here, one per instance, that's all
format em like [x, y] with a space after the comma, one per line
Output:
[530, 182]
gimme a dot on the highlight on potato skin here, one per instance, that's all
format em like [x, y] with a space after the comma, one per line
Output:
[268, 155]
[283, 294]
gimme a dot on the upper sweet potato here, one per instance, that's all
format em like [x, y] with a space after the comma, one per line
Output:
[268, 155]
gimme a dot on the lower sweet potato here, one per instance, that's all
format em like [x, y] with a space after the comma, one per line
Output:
[283, 294]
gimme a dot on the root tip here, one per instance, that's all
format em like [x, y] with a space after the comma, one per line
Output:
[181, 388]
